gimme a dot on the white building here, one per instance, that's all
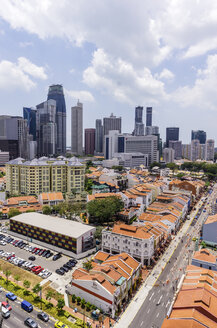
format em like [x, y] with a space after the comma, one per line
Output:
[168, 155]
[77, 129]
[133, 240]
[210, 149]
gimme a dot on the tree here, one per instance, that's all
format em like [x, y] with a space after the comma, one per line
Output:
[60, 304]
[98, 233]
[49, 295]
[17, 278]
[155, 164]
[88, 183]
[27, 285]
[102, 210]
[117, 168]
[46, 210]
[88, 265]
[13, 212]
[88, 306]
[7, 274]
[37, 288]
[78, 300]
[73, 298]
[172, 166]
[83, 303]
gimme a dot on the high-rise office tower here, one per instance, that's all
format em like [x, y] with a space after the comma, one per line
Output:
[56, 93]
[99, 136]
[148, 116]
[14, 136]
[199, 135]
[29, 114]
[168, 155]
[171, 134]
[46, 129]
[77, 129]
[195, 150]
[210, 149]
[111, 123]
[89, 138]
[177, 146]
[139, 126]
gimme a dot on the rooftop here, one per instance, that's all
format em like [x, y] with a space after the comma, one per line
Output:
[55, 224]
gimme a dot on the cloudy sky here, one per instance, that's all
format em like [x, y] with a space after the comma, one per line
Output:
[112, 56]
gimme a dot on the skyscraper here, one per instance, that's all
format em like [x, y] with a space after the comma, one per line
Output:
[111, 123]
[29, 114]
[199, 135]
[46, 129]
[89, 138]
[56, 93]
[177, 146]
[171, 134]
[99, 137]
[139, 126]
[210, 146]
[148, 116]
[77, 129]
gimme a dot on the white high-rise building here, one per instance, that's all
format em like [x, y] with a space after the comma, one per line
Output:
[195, 150]
[77, 129]
[210, 145]
[168, 155]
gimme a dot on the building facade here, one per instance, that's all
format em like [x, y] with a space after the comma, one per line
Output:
[99, 136]
[172, 134]
[177, 146]
[89, 141]
[210, 150]
[139, 126]
[148, 116]
[56, 93]
[168, 155]
[77, 129]
[199, 135]
[111, 123]
[29, 114]
[44, 175]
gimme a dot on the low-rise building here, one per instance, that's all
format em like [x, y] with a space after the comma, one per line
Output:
[205, 259]
[134, 240]
[69, 237]
[22, 204]
[50, 198]
[109, 283]
[209, 229]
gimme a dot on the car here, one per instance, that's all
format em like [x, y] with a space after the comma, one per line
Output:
[41, 251]
[60, 272]
[5, 313]
[29, 322]
[20, 263]
[38, 270]
[57, 256]
[7, 306]
[32, 258]
[64, 269]
[35, 250]
[35, 267]
[3, 243]
[47, 274]
[38, 250]
[60, 324]
[73, 261]
[26, 306]
[44, 250]
[67, 266]
[43, 316]
[11, 296]
[48, 255]
[45, 253]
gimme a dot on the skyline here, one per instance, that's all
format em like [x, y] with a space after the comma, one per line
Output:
[137, 60]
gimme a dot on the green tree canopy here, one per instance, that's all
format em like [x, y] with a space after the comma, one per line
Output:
[13, 212]
[104, 209]
[87, 265]
[155, 164]
[46, 209]
[172, 166]
[60, 304]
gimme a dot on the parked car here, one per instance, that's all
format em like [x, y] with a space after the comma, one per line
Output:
[43, 316]
[64, 269]
[60, 272]
[32, 258]
[57, 256]
[60, 324]
[11, 296]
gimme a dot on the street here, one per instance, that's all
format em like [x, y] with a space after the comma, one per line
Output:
[18, 315]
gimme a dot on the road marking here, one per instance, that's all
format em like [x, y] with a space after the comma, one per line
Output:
[148, 311]
[17, 319]
[157, 314]
[158, 291]
[167, 303]
[141, 323]
[153, 300]
[151, 296]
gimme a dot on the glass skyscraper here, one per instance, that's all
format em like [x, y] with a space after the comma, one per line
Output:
[56, 93]
[199, 135]
[29, 114]
[139, 126]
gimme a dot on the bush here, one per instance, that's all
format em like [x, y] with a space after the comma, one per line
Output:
[78, 300]
[73, 298]
[88, 306]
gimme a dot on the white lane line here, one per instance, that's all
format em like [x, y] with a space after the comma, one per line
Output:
[148, 311]
[151, 296]
[167, 303]
[141, 323]
[157, 314]
[17, 319]
[167, 293]
[158, 291]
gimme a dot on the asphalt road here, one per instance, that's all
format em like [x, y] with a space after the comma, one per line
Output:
[18, 315]
[157, 303]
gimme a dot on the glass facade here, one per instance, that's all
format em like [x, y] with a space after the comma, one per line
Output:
[29, 114]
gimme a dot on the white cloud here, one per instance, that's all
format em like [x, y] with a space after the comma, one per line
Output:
[26, 44]
[202, 95]
[82, 95]
[121, 80]
[17, 74]
[166, 74]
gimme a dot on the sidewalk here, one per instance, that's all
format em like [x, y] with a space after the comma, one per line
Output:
[134, 306]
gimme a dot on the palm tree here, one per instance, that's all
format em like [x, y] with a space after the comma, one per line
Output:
[49, 295]
[7, 274]
[27, 285]
[60, 304]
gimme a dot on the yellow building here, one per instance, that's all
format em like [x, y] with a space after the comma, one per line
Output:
[44, 175]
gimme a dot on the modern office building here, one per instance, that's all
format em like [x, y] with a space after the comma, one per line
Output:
[46, 129]
[186, 151]
[89, 141]
[151, 130]
[29, 114]
[177, 146]
[77, 129]
[210, 149]
[148, 116]
[199, 135]
[56, 93]
[168, 155]
[126, 143]
[139, 126]
[171, 134]
[99, 136]
[195, 150]
[14, 136]
[44, 175]
[111, 123]
[4, 157]
[67, 236]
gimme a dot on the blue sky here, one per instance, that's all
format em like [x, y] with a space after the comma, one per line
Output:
[112, 56]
